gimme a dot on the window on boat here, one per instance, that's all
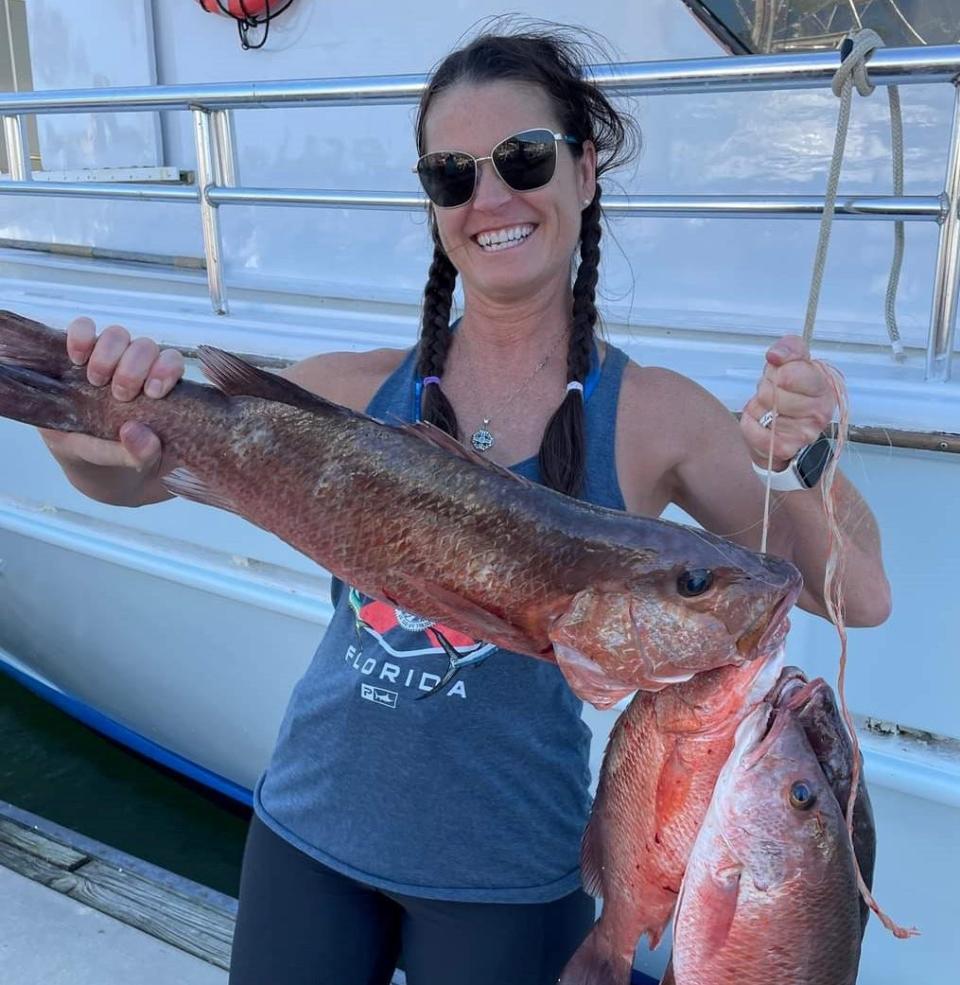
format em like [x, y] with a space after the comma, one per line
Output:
[768, 26]
[15, 74]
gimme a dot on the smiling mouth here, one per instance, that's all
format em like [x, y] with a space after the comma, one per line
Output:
[505, 240]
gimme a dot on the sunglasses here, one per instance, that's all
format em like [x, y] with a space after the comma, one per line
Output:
[524, 161]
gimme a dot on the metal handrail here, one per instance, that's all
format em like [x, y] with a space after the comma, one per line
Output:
[218, 182]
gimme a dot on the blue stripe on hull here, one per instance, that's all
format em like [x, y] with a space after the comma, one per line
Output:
[127, 737]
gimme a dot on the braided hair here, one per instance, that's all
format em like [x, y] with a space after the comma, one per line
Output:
[551, 58]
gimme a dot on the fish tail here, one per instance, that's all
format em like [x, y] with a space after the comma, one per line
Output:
[31, 345]
[33, 398]
[596, 962]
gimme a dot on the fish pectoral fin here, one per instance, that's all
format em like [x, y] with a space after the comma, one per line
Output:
[186, 484]
[479, 622]
[717, 908]
[432, 435]
[592, 857]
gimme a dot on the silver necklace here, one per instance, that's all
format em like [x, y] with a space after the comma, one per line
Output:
[482, 438]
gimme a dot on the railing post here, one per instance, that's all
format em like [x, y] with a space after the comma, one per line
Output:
[228, 171]
[943, 312]
[18, 157]
[208, 168]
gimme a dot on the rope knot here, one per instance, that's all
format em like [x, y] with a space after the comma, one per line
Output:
[854, 51]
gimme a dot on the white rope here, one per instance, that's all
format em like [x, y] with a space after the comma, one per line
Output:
[853, 71]
[855, 50]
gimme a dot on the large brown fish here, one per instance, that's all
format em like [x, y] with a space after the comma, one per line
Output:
[410, 517]
[770, 893]
[658, 774]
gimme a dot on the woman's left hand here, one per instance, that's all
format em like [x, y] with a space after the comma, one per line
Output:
[805, 403]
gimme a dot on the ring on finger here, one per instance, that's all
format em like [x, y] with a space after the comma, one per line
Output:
[766, 419]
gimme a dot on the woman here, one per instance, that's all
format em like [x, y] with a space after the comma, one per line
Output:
[450, 828]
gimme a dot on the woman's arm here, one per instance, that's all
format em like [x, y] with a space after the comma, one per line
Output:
[713, 481]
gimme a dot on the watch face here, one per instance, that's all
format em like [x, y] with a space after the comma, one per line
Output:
[813, 460]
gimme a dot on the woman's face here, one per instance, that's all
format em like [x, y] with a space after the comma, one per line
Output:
[474, 118]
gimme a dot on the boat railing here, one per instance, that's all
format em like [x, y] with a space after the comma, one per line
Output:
[218, 182]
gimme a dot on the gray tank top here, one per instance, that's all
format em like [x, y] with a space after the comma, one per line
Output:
[478, 793]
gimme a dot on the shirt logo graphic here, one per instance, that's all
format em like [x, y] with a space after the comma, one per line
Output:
[378, 695]
[403, 634]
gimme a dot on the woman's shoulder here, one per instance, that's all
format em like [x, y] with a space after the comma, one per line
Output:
[347, 378]
[659, 389]
[656, 400]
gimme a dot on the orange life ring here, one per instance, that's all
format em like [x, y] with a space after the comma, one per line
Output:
[237, 8]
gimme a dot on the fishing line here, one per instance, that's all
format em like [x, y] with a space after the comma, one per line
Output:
[766, 492]
[854, 52]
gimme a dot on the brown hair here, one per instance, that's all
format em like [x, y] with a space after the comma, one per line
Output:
[551, 58]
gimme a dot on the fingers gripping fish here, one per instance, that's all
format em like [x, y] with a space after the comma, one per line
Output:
[408, 514]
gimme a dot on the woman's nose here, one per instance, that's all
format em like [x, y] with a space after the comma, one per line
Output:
[491, 189]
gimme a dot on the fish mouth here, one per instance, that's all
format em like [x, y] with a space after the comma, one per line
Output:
[797, 697]
[752, 737]
[788, 697]
[791, 680]
[770, 630]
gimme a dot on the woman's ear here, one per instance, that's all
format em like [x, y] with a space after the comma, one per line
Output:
[587, 171]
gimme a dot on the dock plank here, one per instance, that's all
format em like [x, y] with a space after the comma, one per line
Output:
[192, 926]
[35, 868]
[39, 845]
[169, 909]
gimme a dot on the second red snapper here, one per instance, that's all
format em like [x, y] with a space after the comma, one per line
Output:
[659, 770]
[770, 893]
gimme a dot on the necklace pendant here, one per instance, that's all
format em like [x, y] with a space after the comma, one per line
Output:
[482, 439]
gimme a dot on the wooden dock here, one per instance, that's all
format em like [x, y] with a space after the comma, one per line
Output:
[77, 911]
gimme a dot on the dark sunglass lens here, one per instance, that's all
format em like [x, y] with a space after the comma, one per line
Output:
[447, 178]
[527, 160]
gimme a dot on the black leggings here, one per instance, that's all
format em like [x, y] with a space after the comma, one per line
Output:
[300, 923]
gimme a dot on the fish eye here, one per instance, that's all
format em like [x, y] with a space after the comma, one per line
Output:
[694, 582]
[801, 796]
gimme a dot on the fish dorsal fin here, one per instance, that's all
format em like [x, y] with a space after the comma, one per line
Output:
[432, 435]
[238, 378]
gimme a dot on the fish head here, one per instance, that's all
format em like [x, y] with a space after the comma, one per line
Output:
[698, 603]
[816, 708]
[775, 808]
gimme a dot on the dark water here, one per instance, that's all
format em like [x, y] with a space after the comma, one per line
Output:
[53, 766]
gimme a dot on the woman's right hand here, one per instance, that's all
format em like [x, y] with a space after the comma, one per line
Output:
[129, 368]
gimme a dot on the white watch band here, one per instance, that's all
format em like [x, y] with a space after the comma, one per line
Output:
[786, 481]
